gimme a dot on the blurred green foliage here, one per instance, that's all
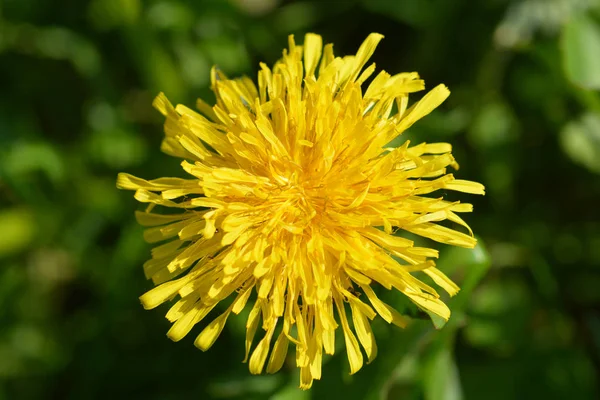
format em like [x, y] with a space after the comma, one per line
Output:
[75, 108]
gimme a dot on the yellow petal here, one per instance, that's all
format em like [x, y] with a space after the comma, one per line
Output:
[388, 313]
[442, 280]
[366, 50]
[306, 378]
[442, 234]
[313, 45]
[466, 186]
[160, 233]
[130, 182]
[364, 332]
[180, 308]
[150, 219]
[430, 303]
[185, 324]
[427, 104]
[160, 294]
[251, 325]
[278, 354]
[355, 357]
[259, 356]
[241, 300]
[210, 334]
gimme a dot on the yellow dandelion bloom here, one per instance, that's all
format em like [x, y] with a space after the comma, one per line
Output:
[295, 201]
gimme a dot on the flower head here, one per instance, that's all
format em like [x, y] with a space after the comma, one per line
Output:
[295, 202]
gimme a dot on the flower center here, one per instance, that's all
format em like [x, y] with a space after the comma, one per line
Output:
[298, 205]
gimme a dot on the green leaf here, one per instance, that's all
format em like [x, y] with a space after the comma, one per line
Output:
[581, 51]
[580, 140]
[440, 377]
[441, 380]
[466, 267]
[438, 321]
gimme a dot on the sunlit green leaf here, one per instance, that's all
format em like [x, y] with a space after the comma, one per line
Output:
[581, 51]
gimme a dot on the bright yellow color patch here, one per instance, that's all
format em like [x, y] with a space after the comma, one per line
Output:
[294, 201]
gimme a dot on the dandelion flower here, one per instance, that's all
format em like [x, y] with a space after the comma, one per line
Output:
[295, 200]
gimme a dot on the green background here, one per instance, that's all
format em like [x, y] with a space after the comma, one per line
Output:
[77, 79]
